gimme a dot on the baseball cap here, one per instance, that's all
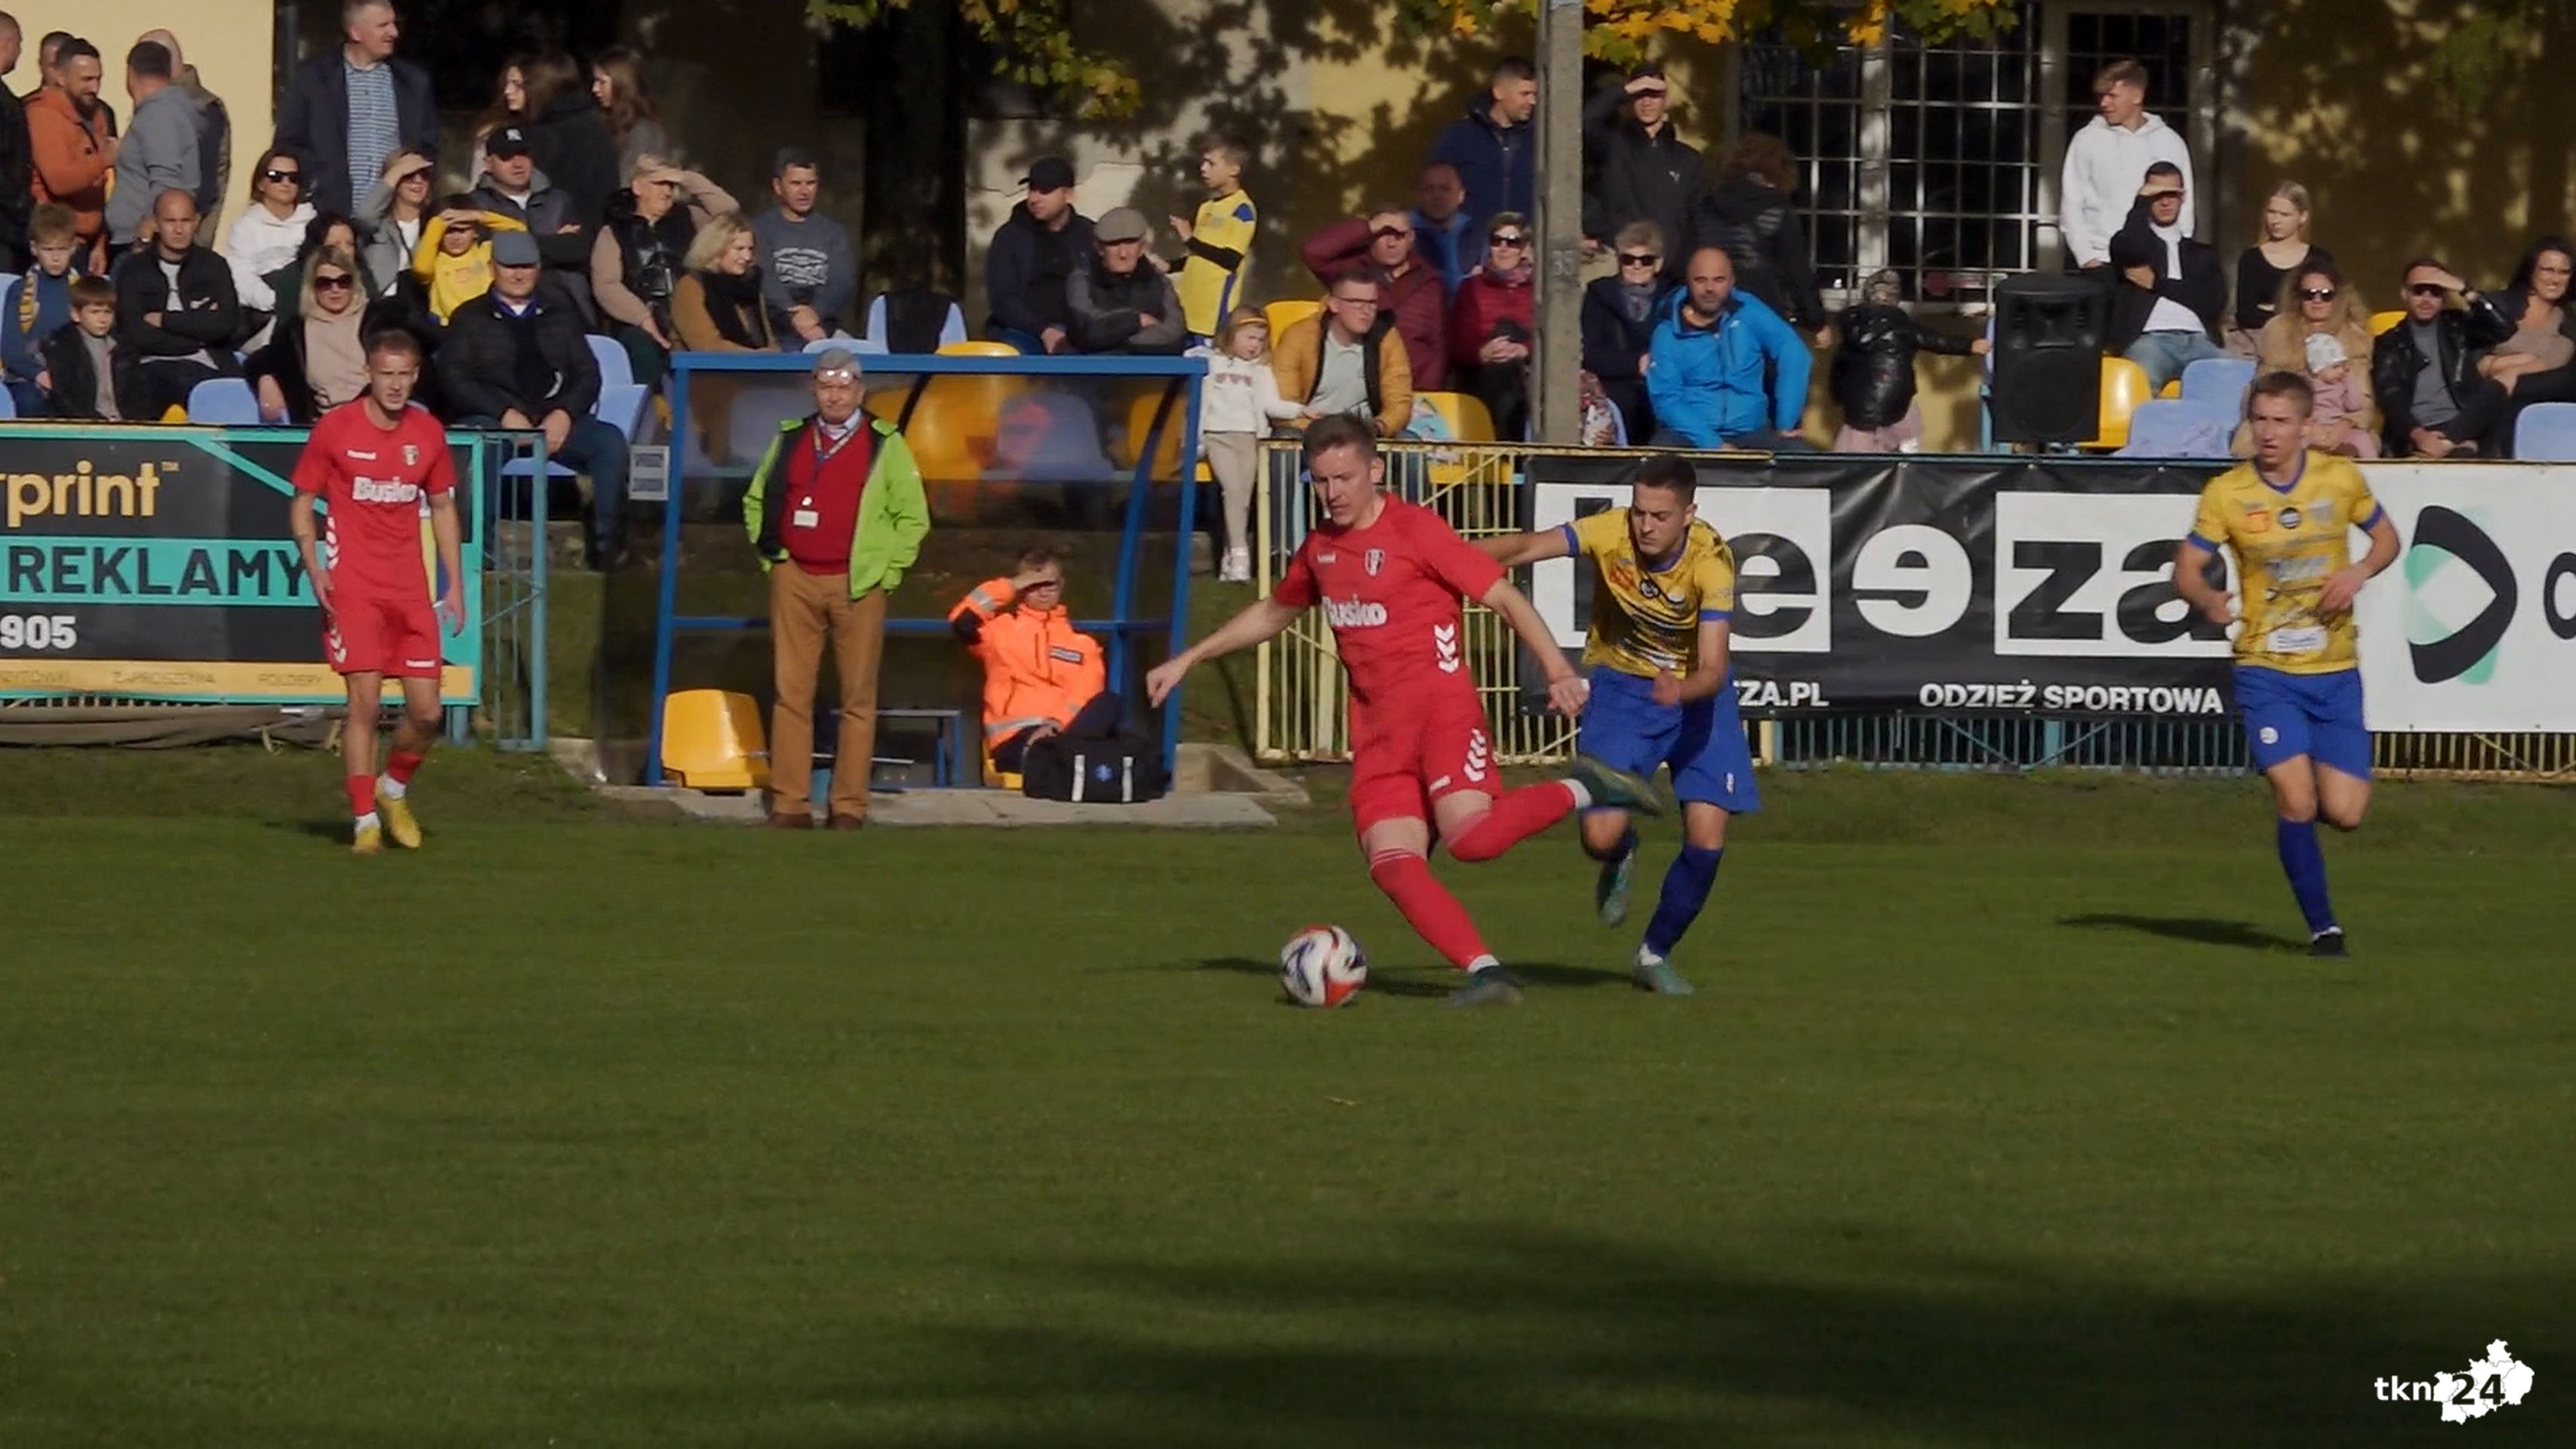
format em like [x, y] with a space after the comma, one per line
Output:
[507, 141]
[1122, 223]
[2325, 350]
[514, 249]
[1049, 173]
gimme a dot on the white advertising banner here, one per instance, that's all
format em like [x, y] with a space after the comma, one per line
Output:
[2474, 627]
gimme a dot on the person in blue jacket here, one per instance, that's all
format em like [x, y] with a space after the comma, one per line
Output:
[1724, 371]
[1494, 146]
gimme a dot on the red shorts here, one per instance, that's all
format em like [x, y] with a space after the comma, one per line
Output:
[381, 636]
[1416, 752]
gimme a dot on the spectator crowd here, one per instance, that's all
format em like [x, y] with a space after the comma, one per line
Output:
[581, 219]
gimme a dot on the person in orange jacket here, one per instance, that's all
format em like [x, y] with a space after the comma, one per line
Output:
[72, 140]
[1041, 678]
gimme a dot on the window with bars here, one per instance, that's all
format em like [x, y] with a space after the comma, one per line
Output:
[1927, 158]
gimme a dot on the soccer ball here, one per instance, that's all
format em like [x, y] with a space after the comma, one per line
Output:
[1322, 966]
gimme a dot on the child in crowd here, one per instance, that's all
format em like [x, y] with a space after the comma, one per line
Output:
[1219, 241]
[454, 258]
[2341, 421]
[87, 375]
[1873, 369]
[1240, 403]
[42, 304]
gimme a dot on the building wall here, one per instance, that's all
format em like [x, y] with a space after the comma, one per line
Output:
[232, 44]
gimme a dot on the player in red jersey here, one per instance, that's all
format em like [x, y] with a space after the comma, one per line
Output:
[370, 463]
[1389, 576]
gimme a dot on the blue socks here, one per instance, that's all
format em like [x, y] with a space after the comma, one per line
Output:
[1686, 888]
[2301, 860]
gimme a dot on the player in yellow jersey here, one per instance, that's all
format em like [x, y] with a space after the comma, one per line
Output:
[1210, 278]
[2289, 516]
[1663, 693]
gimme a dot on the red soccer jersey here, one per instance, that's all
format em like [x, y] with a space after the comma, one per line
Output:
[372, 481]
[1391, 593]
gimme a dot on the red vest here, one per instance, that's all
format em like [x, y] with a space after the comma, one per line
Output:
[819, 519]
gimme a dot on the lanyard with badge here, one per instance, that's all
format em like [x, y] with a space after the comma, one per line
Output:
[825, 450]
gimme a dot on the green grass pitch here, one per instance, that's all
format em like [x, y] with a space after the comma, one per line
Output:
[2008, 1114]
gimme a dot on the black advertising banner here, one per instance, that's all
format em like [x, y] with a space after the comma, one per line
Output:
[156, 563]
[1963, 584]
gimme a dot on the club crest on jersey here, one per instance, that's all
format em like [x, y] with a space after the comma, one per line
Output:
[1373, 560]
[411, 454]
[2289, 518]
[1650, 589]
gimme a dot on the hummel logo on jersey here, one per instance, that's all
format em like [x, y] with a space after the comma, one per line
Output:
[357, 457]
[370, 490]
[1444, 640]
[1354, 614]
[1327, 556]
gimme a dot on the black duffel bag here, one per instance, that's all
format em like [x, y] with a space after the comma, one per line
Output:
[1121, 770]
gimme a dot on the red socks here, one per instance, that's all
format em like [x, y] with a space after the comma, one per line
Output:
[1434, 914]
[401, 765]
[1515, 818]
[362, 796]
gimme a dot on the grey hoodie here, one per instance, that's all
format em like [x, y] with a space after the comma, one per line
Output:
[386, 255]
[162, 151]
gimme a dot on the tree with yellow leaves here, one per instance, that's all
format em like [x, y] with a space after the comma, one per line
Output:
[1617, 30]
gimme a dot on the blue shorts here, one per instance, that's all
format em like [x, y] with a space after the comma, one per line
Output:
[1703, 742]
[2316, 715]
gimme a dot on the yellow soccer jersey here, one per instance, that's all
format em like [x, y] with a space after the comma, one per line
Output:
[1645, 621]
[2288, 541]
[1212, 278]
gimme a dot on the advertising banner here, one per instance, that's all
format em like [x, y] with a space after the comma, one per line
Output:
[155, 563]
[2475, 627]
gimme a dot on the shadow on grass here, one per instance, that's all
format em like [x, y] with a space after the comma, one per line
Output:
[1431, 984]
[1499, 1334]
[2200, 930]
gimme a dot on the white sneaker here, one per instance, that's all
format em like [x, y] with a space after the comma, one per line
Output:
[1238, 567]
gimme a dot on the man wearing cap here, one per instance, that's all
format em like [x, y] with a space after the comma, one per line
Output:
[1636, 167]
[1034, 255]
[809, 271]
[836, 514]
[2165, 313]
[512, 186]
[348, 109]
[519, 357]
[1120, 304]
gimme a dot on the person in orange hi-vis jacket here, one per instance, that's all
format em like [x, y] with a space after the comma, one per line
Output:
[1041, 677]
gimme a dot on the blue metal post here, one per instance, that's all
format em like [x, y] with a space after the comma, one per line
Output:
[664, 620]
[1180, 626]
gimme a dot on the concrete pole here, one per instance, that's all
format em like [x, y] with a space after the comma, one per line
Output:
[1556, 395]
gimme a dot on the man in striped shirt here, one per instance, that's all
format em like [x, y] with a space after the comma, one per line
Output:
[345, 113]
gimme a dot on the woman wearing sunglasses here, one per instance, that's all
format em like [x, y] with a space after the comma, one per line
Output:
[1493, 322]
[266, 237]
[2317, 301]
[318, 359]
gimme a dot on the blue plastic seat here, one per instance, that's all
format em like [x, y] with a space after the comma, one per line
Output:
[616, 369]
[2179, 428]
[223, 402]
[2221, 380]
[2546, 433]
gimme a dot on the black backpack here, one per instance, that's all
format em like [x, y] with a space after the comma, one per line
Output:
[1122, 770]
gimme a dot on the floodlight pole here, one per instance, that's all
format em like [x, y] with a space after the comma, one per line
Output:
[1555, 390]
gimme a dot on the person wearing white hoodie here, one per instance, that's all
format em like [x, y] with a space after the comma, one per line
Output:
[1236, 408]
[2108, 160]
[269, 234]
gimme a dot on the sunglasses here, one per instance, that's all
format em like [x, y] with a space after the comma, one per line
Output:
[1506, 239]
[281, 175]
[1638, 259]
[334, 283]
[1393, 231]
[2425, 289]
[2318, 294]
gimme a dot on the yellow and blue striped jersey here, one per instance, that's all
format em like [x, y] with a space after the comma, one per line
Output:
[1646, 614]
[2288, 542]
[1211, 279]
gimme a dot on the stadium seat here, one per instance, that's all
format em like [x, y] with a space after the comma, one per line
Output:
[996, 778]
[616, 369]
[225, 402]
[2124, 387]
[2546, 433]
[2180, 428]
[712, 740]
[621, 406]
[2382, 321]
[8, 404]
[977, 348]
[1288, 312]
[8, 292]
[1465, 414]
[952, 330]
[956, 425]
[1140, 421]
[759, 406]
[2220, 380]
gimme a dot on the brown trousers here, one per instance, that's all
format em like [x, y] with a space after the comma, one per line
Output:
[804, 611]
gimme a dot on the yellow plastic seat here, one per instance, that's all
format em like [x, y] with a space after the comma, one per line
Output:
[978, 348]
[1167, 450]
[712, 740]
[2381, 321]
[996, 778]
[2171, 389]
[2124, 386]
[1288, 312]
[1465, 413]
